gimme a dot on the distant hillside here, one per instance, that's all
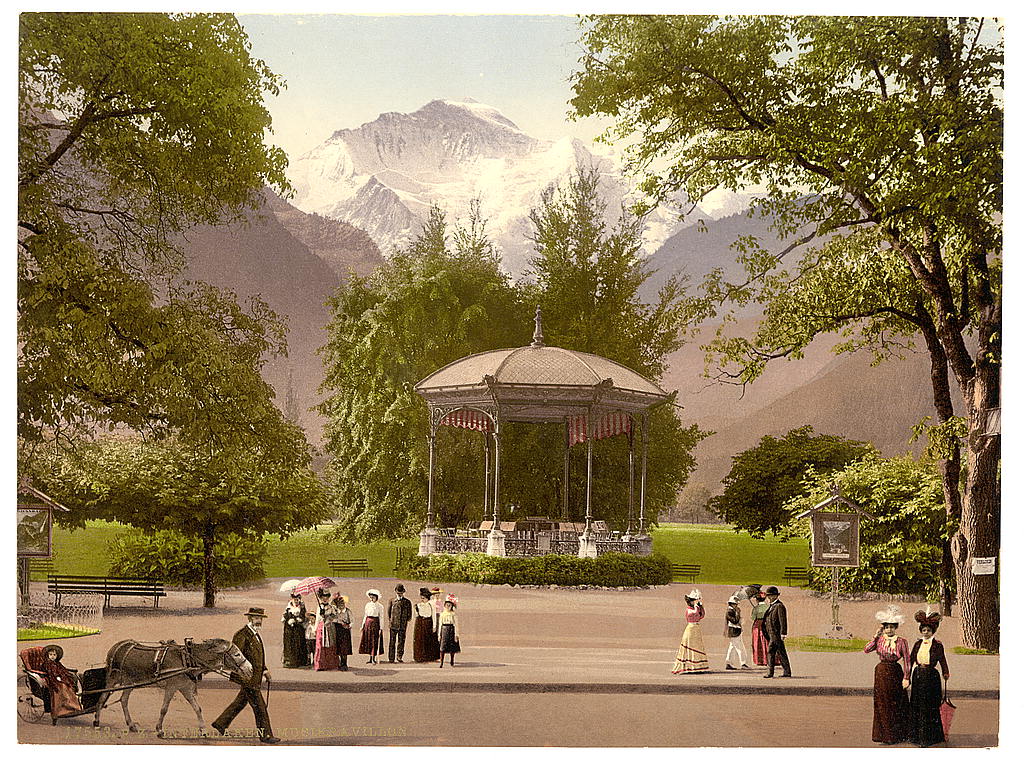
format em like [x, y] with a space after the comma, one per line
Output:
[295, 262]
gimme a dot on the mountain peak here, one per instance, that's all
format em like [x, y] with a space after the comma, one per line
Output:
[466, 106]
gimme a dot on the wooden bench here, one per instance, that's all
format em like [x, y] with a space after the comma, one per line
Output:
[797, 572]
[40, 567]
[348, 565]
[63, 584]
[686, 571]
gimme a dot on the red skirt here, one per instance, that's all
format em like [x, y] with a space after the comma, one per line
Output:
[759, 643]
[371, 641]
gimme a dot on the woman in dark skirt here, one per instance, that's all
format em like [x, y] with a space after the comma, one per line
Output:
[892, 677]
[294, 643]
[342, 629]
[425, 646]
[925, 685]
[448, 629]
[371, 640]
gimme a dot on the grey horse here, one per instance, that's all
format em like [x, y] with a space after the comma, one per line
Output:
[135, 664]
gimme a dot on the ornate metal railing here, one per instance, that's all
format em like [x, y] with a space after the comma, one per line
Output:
[516, 546]
[461, 544]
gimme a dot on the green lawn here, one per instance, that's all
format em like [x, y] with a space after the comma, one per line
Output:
[729, 558]
[50, 632]
[725, 557]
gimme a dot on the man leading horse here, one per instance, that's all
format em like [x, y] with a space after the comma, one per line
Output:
[250, 643]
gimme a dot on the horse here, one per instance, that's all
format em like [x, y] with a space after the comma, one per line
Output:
[173, 667]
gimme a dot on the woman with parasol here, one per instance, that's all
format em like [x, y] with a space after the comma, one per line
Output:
[325, 656]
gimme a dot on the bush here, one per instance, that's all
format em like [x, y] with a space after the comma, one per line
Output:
[608, 570]
[178, 560]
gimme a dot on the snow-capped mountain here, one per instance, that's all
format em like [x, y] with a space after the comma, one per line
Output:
[383, 176]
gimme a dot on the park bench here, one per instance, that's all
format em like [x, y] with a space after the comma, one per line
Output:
[63, 584]
[687, 571]
[340, 566]
[402, 554]
[797, 572]
[40, 567]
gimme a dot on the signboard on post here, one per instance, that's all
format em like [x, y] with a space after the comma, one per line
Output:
[835, 539]
[35, 532]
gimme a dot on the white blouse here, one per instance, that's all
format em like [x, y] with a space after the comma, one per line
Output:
[372, 609]
[423, 609]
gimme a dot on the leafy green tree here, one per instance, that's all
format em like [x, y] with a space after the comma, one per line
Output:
[764, 477]
[588, 275]
[133, 128]
[901, 547]
[876, 142]
[442, 298]
[170, 486]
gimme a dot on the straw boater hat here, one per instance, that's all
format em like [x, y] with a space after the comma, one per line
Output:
[372, 592]
[256, 612]
[890, 615]
[694, 594]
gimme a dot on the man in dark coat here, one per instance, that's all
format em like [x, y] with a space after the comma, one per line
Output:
[776, 628]
[399, 614]
[250, 643]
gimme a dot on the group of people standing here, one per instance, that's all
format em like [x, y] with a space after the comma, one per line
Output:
[323, 639]
[897, 717]
[768, 635]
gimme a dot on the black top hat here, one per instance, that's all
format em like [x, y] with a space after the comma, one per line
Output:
[425, 592]
[53, 648]
[772, 591]
[256, 612]
[399, 588]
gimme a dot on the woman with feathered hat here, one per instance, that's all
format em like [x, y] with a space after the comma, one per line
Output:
[692, 656]
[448, 629]
[892, 677]
[925, 686]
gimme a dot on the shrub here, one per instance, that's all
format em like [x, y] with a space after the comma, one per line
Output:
[178, 560]
[608, 570]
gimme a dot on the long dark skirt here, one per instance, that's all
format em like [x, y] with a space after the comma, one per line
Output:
[294, 646]
[449, 643]
[758, 643]
[892, 709]
[342, 640]
[925, 699]
[425, 647]
[370, 640]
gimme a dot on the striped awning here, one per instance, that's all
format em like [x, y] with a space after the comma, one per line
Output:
[605, 426]
[468, 419]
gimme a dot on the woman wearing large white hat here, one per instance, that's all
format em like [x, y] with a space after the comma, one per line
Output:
[371, 640]
[692, 656]
[892, 708]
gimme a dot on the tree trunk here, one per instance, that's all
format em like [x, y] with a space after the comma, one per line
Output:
[950, 472]
[978, 537]
[209, 589]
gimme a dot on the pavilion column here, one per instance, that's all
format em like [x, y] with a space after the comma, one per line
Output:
[487, 472]
[496, 539]
[643, 537]
[428, 537]
[565, 474]
[632, 481]
[588, 540]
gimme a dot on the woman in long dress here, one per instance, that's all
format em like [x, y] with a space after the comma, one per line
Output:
[692, 656]
[370, 640]
[325, 656]
[925, 686]
[448, 630]
[293, 645]
[425, 646]
[758, 640]
[61, 683]
[890, 724]
[342, 629]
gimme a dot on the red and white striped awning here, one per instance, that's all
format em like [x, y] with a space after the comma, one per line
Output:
[469, 419]
[605, 426]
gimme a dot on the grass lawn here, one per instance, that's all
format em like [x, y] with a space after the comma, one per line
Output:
[48, 632]
[303, 554]
[729, 558]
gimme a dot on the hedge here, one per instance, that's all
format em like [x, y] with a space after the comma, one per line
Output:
[178, 560]
[608, 570]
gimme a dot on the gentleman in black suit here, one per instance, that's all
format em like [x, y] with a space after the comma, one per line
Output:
[776, 628]
[399, 614]
[250, 643]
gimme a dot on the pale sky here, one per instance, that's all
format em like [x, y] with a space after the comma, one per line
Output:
[345, 70]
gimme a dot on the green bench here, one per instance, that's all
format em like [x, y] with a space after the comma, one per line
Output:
[797, 572]
[686, 571]
[341, 566]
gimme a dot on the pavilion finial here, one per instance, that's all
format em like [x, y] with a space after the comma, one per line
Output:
[538, 334]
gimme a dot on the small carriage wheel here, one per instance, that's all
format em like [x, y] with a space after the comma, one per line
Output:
[30, 708]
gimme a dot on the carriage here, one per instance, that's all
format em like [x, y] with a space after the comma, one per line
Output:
[130, 665]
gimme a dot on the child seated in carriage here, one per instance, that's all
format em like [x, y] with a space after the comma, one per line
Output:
[60, 682]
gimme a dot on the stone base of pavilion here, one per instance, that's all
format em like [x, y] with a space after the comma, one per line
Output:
[525, 544]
